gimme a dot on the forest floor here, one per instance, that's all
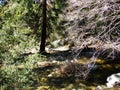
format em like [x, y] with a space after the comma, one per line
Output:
[55, 72]
[52, 78]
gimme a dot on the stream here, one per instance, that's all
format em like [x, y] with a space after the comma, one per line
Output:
[48, 79]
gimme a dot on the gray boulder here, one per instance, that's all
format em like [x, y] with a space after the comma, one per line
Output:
[113, 80]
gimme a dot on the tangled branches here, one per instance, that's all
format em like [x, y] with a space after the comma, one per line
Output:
[97, 25]
[94, 24]
[74, 69]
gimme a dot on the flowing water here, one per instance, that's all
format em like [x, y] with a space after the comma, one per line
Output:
[47, 81]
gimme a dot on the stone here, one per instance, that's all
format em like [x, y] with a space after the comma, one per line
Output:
[50, 75]
[46, 64]
[113, 80]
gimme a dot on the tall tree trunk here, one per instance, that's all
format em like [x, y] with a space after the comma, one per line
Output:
[43, 36]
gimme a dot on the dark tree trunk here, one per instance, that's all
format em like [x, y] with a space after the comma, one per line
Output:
[43, 36]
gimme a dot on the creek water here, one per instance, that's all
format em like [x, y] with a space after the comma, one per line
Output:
[47, 81]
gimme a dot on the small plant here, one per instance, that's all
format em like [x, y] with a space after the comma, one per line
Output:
[19, 75]
[12, 77]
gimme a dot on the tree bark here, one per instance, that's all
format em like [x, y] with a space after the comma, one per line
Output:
[43, 36]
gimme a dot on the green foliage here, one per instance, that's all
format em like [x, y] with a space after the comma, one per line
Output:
[15, 78]
[20, 73]
[14, 41]
[20, 29]
[55, 27]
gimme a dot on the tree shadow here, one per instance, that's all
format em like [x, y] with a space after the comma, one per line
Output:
[96, 77]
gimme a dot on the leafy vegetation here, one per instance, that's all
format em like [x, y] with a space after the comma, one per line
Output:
[20, 31]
